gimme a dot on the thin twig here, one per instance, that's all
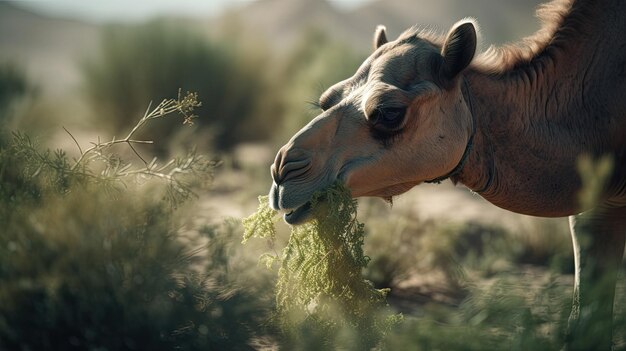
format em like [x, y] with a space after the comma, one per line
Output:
[170, 171]
[162, 168]
[140, 141]
[137, 153]
[76, 141]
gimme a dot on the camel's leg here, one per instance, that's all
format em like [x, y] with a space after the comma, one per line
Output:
[598, 238]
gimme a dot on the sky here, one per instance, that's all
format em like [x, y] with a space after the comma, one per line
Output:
[130, 10]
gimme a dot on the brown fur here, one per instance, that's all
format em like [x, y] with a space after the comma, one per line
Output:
[558, 20]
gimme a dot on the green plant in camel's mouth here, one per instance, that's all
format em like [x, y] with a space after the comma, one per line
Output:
[319, 280]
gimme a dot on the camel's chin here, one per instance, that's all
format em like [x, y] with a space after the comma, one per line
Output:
[387, 193]
[295, 208]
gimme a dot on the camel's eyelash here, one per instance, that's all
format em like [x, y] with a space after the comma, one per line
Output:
[329, 99]
[314, 105]
[325, 103]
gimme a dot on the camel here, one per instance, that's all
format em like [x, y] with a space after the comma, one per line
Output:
[510, 124]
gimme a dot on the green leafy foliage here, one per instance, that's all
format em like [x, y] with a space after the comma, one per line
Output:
[91, 260]
[320, 287]
[262, 223]
[99, 165]
[86, 271]
[508, 313]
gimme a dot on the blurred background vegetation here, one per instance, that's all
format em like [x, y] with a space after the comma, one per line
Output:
[140, 63]
[87, 265]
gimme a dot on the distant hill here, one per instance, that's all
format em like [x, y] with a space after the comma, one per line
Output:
[47, 47]
[283, 20]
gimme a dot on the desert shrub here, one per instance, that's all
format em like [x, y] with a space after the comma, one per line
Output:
[393, 245]
[137, 63]
[83, 271]
[494, 317]
[546, 242]
[488, 250]
[403, 245]
[90, 259]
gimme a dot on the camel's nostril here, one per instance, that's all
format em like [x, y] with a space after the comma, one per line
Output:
[274, 173]
[293, 169]
[277, 165]
[290, 162]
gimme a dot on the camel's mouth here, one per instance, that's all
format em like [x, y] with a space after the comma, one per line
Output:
[294, 205]
[299, 215]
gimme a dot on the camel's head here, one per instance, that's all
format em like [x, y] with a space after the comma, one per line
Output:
[400, 120]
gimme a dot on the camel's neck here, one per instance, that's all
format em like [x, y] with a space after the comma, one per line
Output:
[535, 118]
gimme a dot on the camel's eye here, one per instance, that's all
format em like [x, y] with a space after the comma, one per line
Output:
[388, 119]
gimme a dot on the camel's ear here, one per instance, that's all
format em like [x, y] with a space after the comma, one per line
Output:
[380, 36]
[459, 48]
